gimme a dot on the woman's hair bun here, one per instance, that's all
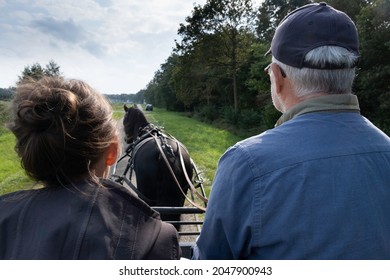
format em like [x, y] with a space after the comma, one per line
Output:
[63, 128]
[45, 108]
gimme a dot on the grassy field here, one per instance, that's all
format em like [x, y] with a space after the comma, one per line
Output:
[12, 176]
[205, 143]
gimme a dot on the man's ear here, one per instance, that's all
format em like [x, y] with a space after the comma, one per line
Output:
[279, 80]
[112, 154]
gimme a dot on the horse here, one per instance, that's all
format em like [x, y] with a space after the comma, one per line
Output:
[162, 164]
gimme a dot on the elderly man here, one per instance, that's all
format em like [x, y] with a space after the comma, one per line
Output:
[317, 186]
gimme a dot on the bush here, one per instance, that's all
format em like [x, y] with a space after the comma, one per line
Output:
[6, 94]
[250, 118]
[270, 116]
[229, 115]
[244, 122]
[207, 113]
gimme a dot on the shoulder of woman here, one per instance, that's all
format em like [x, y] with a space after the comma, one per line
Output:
[166, 245]
[18, 196]
[154, 239]
[123, 195]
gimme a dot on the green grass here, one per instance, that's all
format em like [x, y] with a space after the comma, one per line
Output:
[12, 176]
[118, 111]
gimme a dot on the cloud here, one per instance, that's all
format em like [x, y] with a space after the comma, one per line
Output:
[103, 3]
[69, 32]
[116, 45]
[66, 30]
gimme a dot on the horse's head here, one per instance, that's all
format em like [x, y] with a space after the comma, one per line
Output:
[133, 120]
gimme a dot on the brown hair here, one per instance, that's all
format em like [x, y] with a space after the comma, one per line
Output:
[62, 128]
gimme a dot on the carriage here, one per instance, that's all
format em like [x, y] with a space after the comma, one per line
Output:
[158, 168]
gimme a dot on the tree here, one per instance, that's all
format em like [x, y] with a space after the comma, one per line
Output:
[372, 82]
[6, 93]
[257, 81]
[351, 7]
[271, 13]
[52, 69]
[37, 72]
[229, 24]
[197, 77]
[151, 91]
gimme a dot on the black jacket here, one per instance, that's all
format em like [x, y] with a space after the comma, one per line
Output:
[86, 221]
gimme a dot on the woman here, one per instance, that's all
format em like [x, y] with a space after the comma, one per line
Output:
[66, 139]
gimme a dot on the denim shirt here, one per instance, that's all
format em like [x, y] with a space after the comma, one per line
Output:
[317, 186]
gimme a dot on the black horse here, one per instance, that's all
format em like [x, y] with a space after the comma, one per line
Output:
[151, 153]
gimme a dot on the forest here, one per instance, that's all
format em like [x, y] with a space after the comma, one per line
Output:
[215, 72]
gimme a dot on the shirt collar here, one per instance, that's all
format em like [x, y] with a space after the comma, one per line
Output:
[334, 102]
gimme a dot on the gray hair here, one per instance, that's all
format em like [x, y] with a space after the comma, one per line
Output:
[307, 81]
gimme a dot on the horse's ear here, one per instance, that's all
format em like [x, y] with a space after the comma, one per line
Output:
[125, 107]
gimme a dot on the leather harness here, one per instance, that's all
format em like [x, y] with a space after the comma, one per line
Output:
[145, 135]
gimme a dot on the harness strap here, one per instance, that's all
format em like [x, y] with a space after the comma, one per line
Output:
[174, 176]
[131, 150]
[142, 139]
[192, 187]
[135, 149]
[189, 181]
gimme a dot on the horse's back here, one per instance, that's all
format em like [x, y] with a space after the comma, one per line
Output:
[154, 177]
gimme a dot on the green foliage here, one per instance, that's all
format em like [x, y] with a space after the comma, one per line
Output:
[207, 113]
[249, 118]
[220, 32]
[52, 69]
[271, 12]
[217, 68]
[229, 115]
[372, 83]
[269, 116]
[246, 122]
[127, 97]
[243, 119]
[219, 62]
[6, 93]
[351, 7]
[36, 71]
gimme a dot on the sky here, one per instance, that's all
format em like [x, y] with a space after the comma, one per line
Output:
[114, 45]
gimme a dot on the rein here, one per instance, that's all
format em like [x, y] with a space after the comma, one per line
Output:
[185, 174]
[130, 152]
[148, 133]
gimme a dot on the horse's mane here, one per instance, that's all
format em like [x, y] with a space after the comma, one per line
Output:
[137, 115]
[137, 119]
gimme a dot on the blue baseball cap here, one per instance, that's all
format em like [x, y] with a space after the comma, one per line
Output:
[309, 27]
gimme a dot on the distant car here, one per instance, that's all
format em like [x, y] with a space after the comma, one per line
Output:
[149, 107]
